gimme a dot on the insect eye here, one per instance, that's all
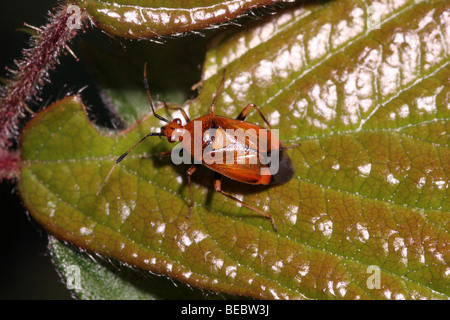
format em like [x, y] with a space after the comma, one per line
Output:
[177, 121]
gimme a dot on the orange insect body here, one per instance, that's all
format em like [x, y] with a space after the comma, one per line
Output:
[232, 148]
[240, 158]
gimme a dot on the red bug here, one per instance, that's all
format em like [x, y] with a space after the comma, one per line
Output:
[217, 143]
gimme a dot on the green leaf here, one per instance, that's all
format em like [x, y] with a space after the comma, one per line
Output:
[91, 277]
[366, 112]
[155, 18]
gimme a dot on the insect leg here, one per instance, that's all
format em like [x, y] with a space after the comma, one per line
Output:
[245, 112]
[218, 188]
[186, 117]
[159, 155]
[124, 155]
[163, 154]
[189, 173]
[219, 90]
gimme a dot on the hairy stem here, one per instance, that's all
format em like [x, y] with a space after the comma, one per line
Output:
[9, 168]
[31, 72]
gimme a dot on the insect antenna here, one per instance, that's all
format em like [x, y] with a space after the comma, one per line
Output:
[219, 90]
[147, 88]
[161, 134]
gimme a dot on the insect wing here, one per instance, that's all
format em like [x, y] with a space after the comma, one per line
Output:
[234, 152]
[247, 173]
[255, 137]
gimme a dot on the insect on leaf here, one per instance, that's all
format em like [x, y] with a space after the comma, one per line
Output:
[365, 106]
